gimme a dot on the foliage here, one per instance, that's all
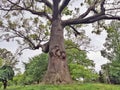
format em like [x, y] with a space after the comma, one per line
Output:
[6, 73]
[1, 61]
[112, 52]
[112, 44]
[8, 58]
[80, 66]
[19, 79]
[111, 73]
[89, 86]
[80, 73]
[36, 68]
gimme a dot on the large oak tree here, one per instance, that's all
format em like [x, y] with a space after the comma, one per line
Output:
[34, 32]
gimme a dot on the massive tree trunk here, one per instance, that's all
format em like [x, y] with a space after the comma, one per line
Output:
[57, 72]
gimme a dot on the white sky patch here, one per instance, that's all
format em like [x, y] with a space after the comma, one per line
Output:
[98, 59]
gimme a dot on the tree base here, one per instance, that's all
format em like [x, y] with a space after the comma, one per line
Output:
[57, 73]
[56, 78]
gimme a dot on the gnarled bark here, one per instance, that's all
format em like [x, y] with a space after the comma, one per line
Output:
[57, 72]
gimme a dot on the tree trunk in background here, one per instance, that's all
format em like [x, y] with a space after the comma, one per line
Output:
[57, 72]
[4, 84]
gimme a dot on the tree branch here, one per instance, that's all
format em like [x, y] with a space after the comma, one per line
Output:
[91, 19]
[75, 31]
[64, 4]
[82, 19]
[43, 13]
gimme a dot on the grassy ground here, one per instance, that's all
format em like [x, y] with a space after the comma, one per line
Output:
[66, 87]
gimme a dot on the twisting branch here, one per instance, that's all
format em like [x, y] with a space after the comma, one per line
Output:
[83, 19]
[75, 30]
[64, 4]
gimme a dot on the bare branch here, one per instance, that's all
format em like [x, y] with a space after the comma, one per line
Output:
[75, 30]
[91, 19]
[64, 4]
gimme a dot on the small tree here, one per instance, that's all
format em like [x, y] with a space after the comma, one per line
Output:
[37, 63]
[6, 73]
[8, 58]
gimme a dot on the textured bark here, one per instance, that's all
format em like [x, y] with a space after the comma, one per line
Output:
[57, 72]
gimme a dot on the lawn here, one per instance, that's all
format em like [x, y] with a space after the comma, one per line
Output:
[66, 87]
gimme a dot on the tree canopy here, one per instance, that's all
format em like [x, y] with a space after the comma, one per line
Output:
[34, 30]
[6, 73]
[112, 52]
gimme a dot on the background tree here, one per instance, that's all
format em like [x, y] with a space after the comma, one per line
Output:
[7, 63]
[36, 68]
[112, 52]
[33, 31]
[8, 58]
[18, 79]
[6, 73]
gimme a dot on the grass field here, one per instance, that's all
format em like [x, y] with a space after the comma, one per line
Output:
[66, 87]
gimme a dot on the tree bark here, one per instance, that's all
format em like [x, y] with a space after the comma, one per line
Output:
[57, 72]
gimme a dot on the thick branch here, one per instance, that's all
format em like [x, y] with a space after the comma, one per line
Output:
[79, 18]
[55, 8]
[83, 19]
[90, 19]
[64, 4]
[45, 47]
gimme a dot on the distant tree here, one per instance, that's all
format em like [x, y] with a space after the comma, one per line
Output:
[112, 44]
[80, 66]
[38, 21]
[8, 58]
[37, 63]
[101, 77]
[7, 64]
[111, 70]
[6, 73]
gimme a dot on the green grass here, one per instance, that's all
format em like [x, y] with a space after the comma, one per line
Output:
[66, 87]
